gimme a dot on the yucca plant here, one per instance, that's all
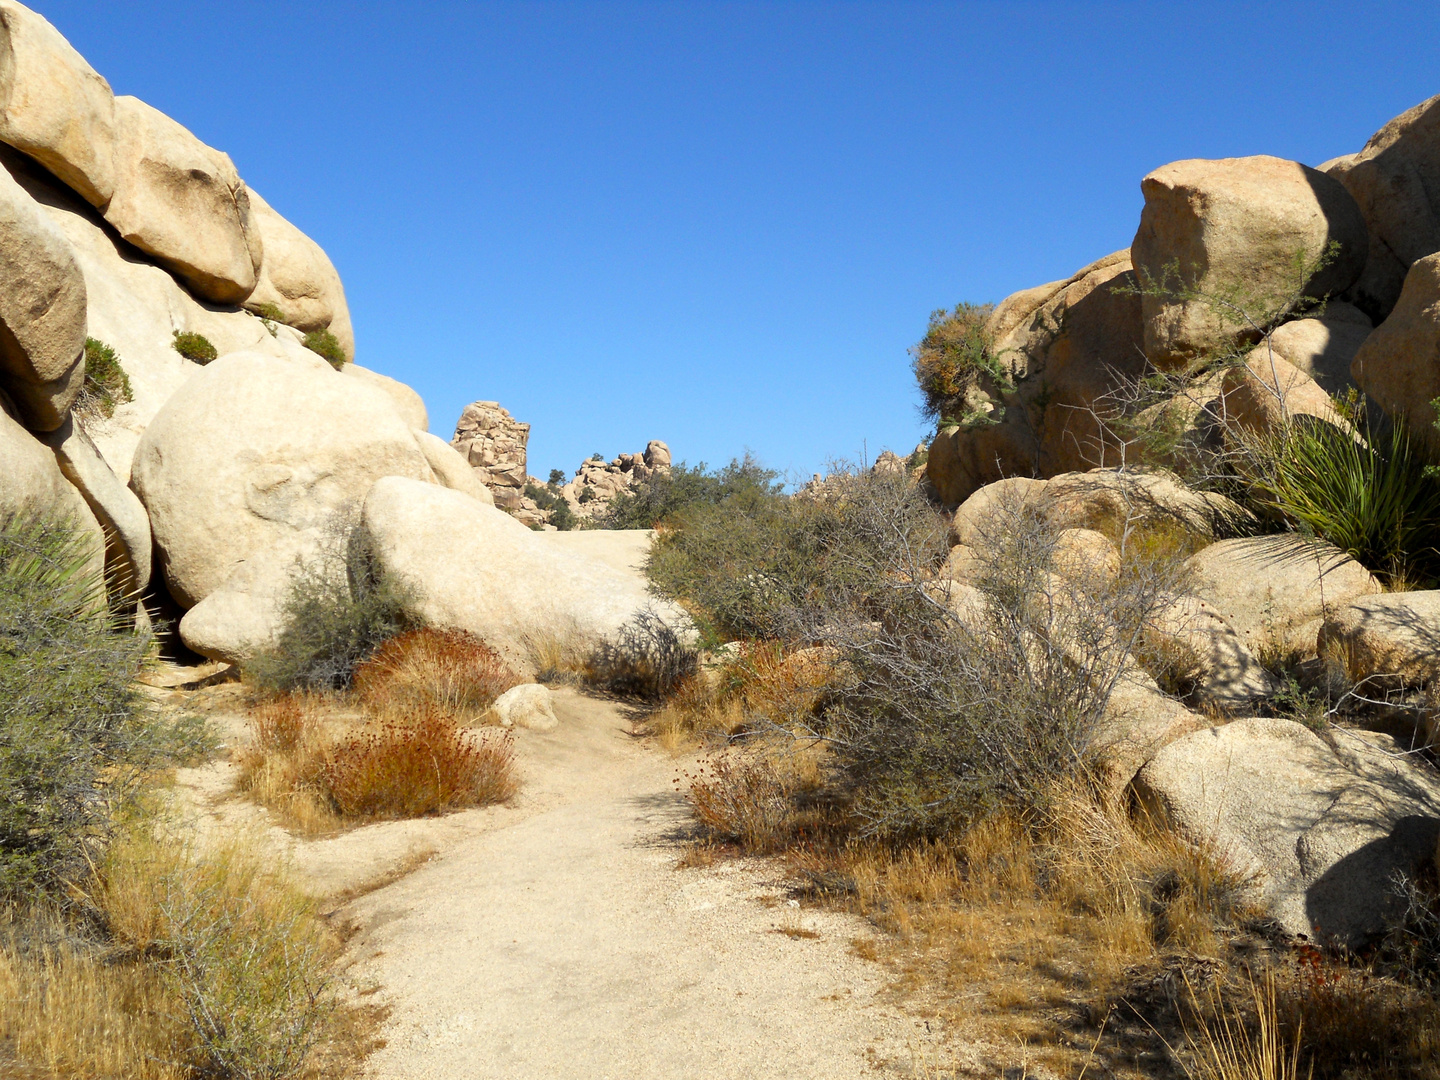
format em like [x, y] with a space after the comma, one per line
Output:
[1367, 490]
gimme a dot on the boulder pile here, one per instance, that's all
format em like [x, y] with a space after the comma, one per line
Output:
[243, 445]
[597, 481]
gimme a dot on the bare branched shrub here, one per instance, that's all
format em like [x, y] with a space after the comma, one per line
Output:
[647, 659]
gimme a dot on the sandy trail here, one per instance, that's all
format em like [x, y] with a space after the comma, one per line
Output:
[555, 938]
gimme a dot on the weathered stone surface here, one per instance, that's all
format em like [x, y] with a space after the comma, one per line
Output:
[32, 486]
[1318, 832]
[657, 454]
[625, 550]
[1235, 226]
[54, 106]
[450, 469]
[976, 517]
[1395, 180]
[1109, 500]
[244, 615]
[1398, 366]
[1138, 721]
[1393, 638]
[1085, 555]
[1065, 346]
[298, 277]
[408, 404]
[1275, 590]
[1227, 674]
[135, 307]
[1267, 393]
[493, 442]
[42, 311]
[119, 512]
[182, 203]
[301, 444]
[473, 567]
[528, 705]
[1324, 346]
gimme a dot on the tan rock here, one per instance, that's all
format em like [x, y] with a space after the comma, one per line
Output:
[1234, 227]
[1397, 366]
[1110, 501]
[33, 487]
[1317, 832]
[54, 106]
[1085, 555]
[301, 444]
[976, 517]
[450, 469]
[408, 404]
[528, 705]
[963, 564]
[1275, 590]
[657, 454]
[1226, 673]
[1267, 393]
[1392, 639]
[182, 203]
[1324, 346]
[115, 506]
[298, 277]
[42, 311]
[1395, 180]
[1137, 723]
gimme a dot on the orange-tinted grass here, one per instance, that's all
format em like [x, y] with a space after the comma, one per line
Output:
[429, 671]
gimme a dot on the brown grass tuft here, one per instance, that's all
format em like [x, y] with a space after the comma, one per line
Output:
[430, 671]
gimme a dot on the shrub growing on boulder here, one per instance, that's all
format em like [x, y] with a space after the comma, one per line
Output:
[325, 344]
[952, 357]
[106, 384]
[194, 347]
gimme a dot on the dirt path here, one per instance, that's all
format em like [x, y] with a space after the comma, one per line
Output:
[557, 939]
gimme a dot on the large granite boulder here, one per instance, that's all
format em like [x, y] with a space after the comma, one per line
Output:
[409, 404]
[1066, 347]
[1113, 501]
[473, 567]
[297, 277]
[42, 311]
[1189, 634]
[1276, 590]
[1392, 639]
[450, 469]
[1323, 345]
[1398, 366]
[33, 487]
[1139, 720]
[1395, 180]
[54, 106]
[1233, 228]
[1315, 830]
[252, 453]
[1267, 393]
[182, 203]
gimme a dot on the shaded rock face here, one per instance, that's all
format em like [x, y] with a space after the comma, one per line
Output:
[1395, 181]
[1392, 640]
[1233, 228]
[1398, 366]
[1324, 346]
[1316, 831]
[494, 442]
[1066, 346]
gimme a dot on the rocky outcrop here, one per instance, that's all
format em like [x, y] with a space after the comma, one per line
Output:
[32, 486]
[1316, 832]
[1392, 640]
[42, 311]
[1397, 366]
[1233, 229]
[597, 481]
[1112, 500]
[302, 444]
[494, 442]
[297, 277]
[1064, 347]
[1324, 345]
[472, 567]
[1276, 590]
[450, 469]
[1266, 393]
[183, 203]
[1395, 181]
[54, 106]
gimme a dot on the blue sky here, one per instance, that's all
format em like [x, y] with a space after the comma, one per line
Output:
[723, 224]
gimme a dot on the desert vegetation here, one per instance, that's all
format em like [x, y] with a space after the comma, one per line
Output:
[106, 384]
[193, 346]
[327, 346]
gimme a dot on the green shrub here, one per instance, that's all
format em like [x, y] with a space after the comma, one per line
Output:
[73, 735]
[667, 493]
[557, 478]
[106, 384]
[194, 347]
[1369, 492]
[270, 311]
[551, 501]
[953, 358]
[327, 345]
[338, 612]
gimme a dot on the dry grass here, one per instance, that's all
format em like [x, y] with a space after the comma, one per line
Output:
[206, 966]
[432, 671]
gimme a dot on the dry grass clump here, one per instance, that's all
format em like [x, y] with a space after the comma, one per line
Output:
[208, 965]
[448, 672]
[321, 768]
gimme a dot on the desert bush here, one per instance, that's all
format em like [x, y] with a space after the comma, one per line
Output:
[282, 767]
[339, 610]
[647, 659]
[667, 494]
[953, 361]
[270, 311]
[74, 737]
[425, 766]
[742, 799]
[193, 346]
[547, 498]
[106, 384]
[326, 345]
[446, 671]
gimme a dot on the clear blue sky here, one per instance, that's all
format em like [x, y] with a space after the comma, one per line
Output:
[723, 224]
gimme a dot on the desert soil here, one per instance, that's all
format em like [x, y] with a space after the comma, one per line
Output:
[556, 936]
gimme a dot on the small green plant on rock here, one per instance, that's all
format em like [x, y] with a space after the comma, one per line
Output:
[106, 384]
[270, 311]
[326, 345]
[194, 346]
[953, 360]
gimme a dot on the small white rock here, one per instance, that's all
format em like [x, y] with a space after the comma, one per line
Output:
[529, 706]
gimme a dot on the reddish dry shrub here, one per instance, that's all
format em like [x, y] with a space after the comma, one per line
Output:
[279, 724]
[430, 670]
[424, 767]
[746, 800]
